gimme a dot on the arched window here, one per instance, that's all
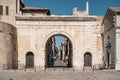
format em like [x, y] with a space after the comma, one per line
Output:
[29, 60]
[87, 59]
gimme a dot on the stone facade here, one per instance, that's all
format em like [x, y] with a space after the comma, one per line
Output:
[36, 27]
[33, 35]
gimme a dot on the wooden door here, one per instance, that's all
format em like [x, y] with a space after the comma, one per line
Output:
[87, 59]
[30, 60]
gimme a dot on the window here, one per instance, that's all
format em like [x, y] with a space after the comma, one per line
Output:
[7, 10]
[1, 10]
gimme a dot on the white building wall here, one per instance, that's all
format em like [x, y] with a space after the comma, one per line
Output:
[117, 49]
[117, 20]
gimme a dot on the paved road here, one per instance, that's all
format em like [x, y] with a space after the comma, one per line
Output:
[59, 75]
[60, 63]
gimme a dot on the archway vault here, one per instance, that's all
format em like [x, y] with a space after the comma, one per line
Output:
[63, 33]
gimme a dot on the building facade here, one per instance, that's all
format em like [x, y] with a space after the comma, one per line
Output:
[36, 26]
[110, 33]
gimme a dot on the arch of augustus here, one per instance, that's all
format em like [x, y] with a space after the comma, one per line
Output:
[84, 34]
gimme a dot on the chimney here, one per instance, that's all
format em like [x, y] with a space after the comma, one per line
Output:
[87, 8]
[75, 11]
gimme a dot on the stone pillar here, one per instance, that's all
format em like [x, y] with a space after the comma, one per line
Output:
[75, 11]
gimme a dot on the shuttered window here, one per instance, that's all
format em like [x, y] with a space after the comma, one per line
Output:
[7, 10]
[1, 10]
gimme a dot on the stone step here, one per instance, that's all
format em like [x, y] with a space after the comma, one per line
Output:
[30, 69]
[88, 68]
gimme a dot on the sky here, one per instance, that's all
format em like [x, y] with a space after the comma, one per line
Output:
[64, 7]
[59, 40]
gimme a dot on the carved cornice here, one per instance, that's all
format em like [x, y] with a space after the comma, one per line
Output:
[24, 18]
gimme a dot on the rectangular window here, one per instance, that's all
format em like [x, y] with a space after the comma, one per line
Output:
[7, 10]
[1, 10]
[16, 6]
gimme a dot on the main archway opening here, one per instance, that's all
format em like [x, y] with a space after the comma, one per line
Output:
[58, 51]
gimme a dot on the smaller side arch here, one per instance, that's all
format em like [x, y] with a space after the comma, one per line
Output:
[29, 60]
[87, 59]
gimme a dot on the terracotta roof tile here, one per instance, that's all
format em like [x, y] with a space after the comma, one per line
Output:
[33, 8]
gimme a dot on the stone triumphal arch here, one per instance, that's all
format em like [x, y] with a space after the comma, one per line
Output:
[35, 33]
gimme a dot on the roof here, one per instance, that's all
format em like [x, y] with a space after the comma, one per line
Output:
[33, 8]
[110, 10]
[115, 9]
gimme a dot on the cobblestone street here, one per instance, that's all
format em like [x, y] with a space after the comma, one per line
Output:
[59, 75]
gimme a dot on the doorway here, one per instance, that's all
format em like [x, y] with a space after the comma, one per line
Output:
[87, 59]
[29, 60]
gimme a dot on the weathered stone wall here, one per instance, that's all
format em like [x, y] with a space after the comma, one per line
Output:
[8, 46]
[84, 35]
[111, 37]
[108, 20]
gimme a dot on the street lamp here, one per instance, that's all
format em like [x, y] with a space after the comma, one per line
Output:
[108, 51]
